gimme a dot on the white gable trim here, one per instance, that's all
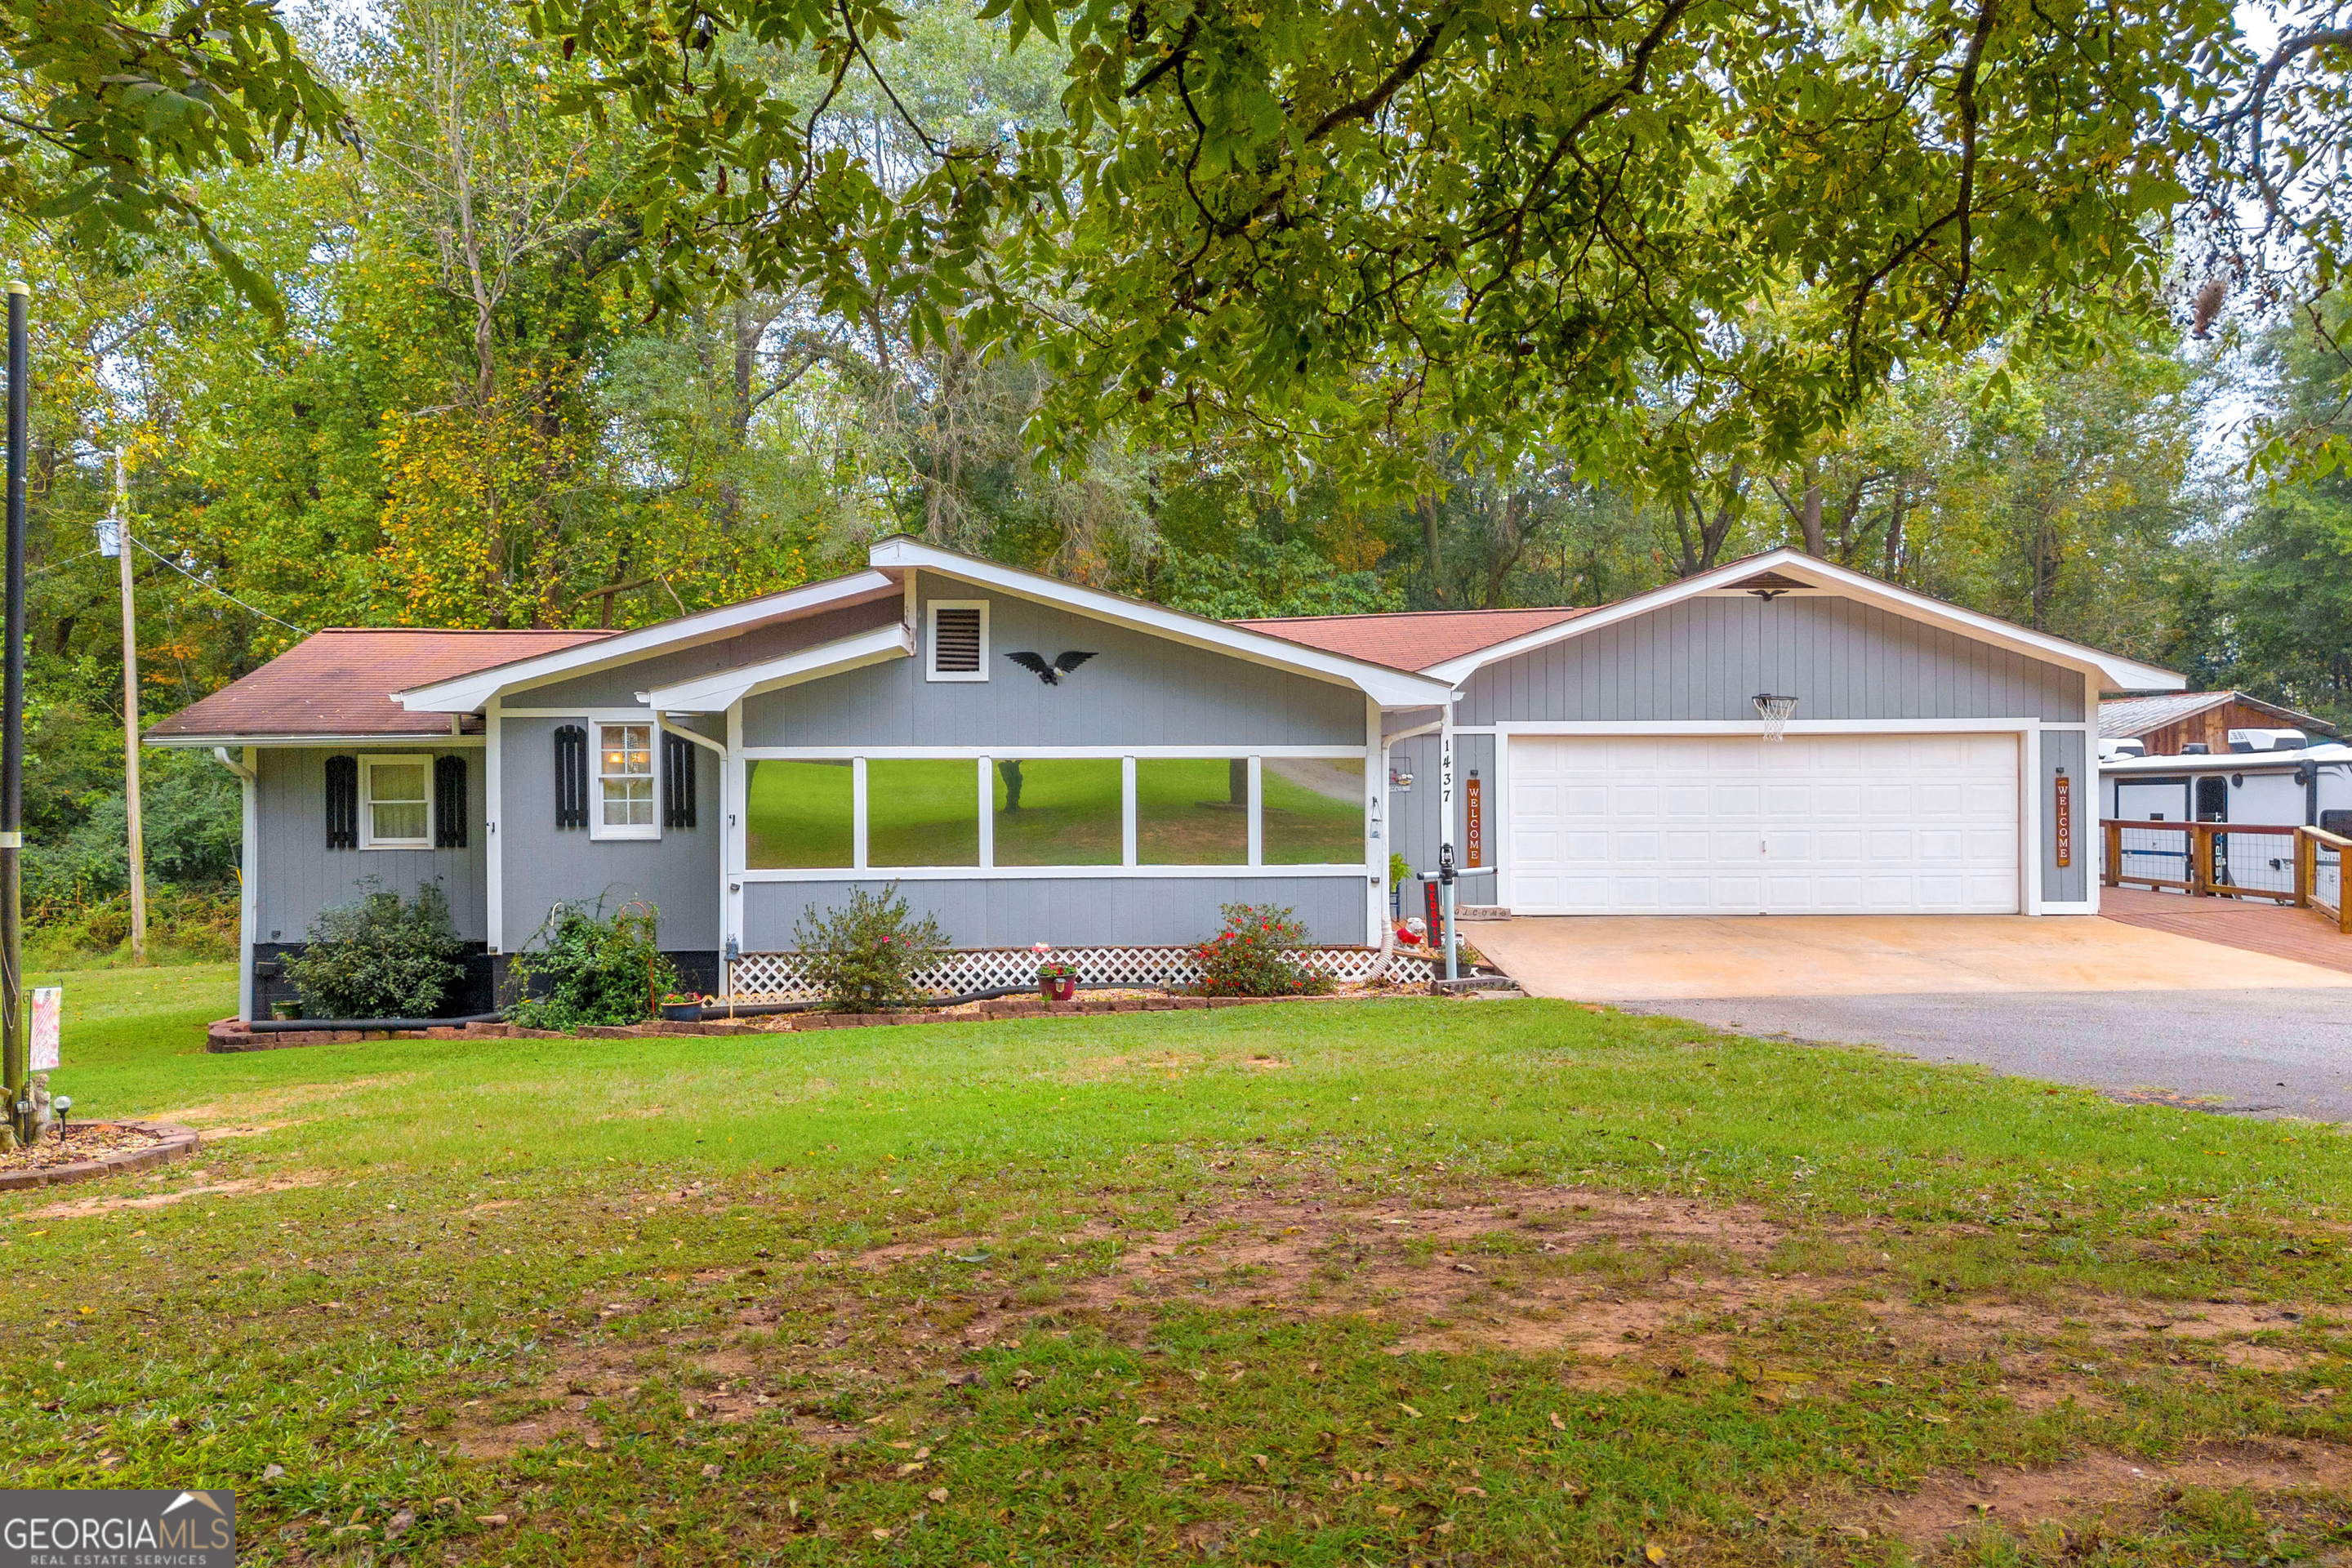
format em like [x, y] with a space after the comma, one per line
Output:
[466, 693]
[1390, 688]
[2118, 673]
[718, 693]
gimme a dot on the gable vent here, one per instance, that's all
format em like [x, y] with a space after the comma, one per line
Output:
[955, 641]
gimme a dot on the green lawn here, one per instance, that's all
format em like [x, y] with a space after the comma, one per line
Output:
[925, 812]
[1319, 1283]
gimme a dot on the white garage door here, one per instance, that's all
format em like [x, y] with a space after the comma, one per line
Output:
[1810, 825]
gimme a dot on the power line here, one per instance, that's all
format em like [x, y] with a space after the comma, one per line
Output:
[215, 587]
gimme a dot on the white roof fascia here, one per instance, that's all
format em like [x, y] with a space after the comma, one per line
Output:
[1390, 688]
[466, 693]
[717, 693]
[2121, 674]
[429, 740]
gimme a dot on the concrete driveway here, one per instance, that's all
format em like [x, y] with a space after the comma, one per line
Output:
[2138, 1012]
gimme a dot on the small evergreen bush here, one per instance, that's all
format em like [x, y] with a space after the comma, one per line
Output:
[583, 967]
[866, 952]
[378, 957]
[1252, 956]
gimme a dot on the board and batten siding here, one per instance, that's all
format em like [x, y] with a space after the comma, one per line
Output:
[1705, 659]
[296, 875]
[2069, 884]
[1139, 690]
[1413, 813]
[1139, 910]
[618, 687]
[677, 874]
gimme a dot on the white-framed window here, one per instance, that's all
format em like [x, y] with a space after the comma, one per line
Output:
[396, 802]
[622, 804]
[956, 640]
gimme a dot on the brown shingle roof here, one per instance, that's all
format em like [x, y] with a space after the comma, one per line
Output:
[1413, 639]
[339, 682]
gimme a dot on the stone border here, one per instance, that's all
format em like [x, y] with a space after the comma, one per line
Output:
[233, 1034]
[178, 1144]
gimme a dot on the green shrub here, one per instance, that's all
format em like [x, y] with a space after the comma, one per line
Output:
[583, 967]
[1253, 956]
[866, 955]
[377, 957]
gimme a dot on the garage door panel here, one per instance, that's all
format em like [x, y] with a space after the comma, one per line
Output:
[1816, 824]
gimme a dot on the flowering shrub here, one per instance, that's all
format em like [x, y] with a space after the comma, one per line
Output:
[866, 954]
[1251, 957]
[1052, 968]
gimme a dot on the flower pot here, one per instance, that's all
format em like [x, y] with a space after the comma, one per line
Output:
[286, 1011]
[1058, 990]
[681, 1012]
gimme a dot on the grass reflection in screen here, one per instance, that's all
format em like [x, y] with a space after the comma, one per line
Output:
[1313, 811]
[797, 814]
[1056, 811]
[923, 812]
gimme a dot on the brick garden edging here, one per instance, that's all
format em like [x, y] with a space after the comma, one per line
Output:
[178, 1142]
[233, 1034]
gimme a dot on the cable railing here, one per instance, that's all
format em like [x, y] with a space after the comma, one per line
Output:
[2303, 867]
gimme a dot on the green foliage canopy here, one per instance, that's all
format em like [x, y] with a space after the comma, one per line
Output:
[1640, 234]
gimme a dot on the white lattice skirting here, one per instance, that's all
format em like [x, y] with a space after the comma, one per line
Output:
[778, 977]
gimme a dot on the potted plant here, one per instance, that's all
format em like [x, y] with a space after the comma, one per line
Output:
[1056, 980]
[677, 1007]
[285, 1010]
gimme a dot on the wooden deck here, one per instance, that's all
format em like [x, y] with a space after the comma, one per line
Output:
[2254, 925]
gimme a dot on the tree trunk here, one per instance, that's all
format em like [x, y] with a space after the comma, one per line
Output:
[1808, 511]
[1429, 548]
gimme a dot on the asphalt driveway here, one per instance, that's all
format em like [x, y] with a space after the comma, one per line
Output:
[2138, 1012]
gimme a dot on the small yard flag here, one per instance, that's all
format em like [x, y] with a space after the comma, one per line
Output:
[48, 1008]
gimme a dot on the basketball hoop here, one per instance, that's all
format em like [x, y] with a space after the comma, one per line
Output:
[1775, 711]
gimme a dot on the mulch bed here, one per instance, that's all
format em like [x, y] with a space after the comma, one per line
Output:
[233, 1034]
[93, 1149]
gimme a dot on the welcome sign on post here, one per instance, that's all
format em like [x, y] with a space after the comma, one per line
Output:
[48, 1012]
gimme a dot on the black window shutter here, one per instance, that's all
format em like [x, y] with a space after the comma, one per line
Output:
[571, 776]
[449, 803]
[342, 802]
[677, 780]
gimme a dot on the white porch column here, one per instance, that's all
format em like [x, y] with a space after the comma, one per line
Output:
[1445, 831]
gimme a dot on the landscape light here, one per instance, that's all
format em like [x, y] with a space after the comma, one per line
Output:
[64, 1103]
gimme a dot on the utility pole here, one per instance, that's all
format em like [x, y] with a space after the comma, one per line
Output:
[130, 709]
[15, 1046]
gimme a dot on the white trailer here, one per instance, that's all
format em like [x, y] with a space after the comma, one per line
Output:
[2287, 789]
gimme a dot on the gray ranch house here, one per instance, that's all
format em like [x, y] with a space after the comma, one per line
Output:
[1037, 762]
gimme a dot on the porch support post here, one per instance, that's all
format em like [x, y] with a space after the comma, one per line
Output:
[1445, 832]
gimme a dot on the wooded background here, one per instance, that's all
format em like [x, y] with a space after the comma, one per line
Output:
[412, 360]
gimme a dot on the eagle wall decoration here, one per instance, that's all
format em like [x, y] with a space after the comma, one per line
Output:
[1051, 674]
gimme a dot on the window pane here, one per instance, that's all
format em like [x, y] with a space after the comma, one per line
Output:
[628, 803]
[397, 822]
[626, 749]
[1057, 811]
[1191, 811]
[797, 815]
[1313, 813]
[923, 812]
[397, 781]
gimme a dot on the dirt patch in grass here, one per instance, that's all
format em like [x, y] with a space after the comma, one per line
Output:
[262, 1104]
[1624, 1290]
[85, 1208]
[2017, 1499]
